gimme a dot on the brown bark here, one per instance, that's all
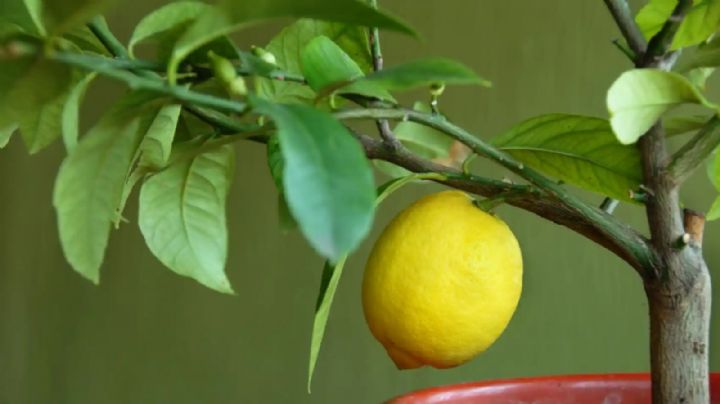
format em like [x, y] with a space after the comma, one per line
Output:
[679, 335]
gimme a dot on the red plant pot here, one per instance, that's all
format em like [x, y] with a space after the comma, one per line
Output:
[628, 388]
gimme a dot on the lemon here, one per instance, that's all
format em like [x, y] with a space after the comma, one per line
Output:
[442, 282]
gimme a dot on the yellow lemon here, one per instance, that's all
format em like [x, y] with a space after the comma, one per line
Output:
[442, 282]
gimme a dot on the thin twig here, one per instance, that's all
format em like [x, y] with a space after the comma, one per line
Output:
[624, 49]
[225, 124]
[386, 133]
[624, 19]
[104, 66]
[99, 28]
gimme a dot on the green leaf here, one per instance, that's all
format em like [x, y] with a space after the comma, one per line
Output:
[90, 183]
[699, 24]
[699, 77]
[424, 73]
[15, 12]
[167, 24]
[638, 98]
[678, 125]
[42, 126]
[5, 135]
[653, 15]
[182, 216]
[327, 180]
[230, 15]
[713, 169]
[576, 149]
[327, 68]
[27, 84]
[328, 285]
[277, 165]
[704, 55]
[714, 212]
[62, 16]
[157, 144]
[165, 19]
[71, 112]
[286, 47]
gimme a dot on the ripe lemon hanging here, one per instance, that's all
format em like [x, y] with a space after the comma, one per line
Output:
[442, 282]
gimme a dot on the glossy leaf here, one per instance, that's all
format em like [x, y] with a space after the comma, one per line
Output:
[424, 73]
[90, 183]
[638, 98]
[71, 112]
[5, 135]
[652, 16]
[699, 24]
[230, 15]
[286, 48]
[157, 144]
[576, 149]
[327, 68]
[182, 216]
[327, 180]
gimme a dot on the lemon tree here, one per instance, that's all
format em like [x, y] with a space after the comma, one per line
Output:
[444, 278]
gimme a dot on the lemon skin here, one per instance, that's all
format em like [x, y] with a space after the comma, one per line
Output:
[442, 282]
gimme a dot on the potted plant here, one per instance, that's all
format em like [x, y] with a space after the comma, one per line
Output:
[172, 136]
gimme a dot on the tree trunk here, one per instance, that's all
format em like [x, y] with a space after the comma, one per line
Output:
[679, 333]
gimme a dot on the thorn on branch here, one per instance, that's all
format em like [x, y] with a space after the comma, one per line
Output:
[624, 49]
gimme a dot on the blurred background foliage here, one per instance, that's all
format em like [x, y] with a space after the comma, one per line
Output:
[146, 335]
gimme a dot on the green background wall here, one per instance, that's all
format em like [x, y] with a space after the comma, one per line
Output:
[147, 336]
